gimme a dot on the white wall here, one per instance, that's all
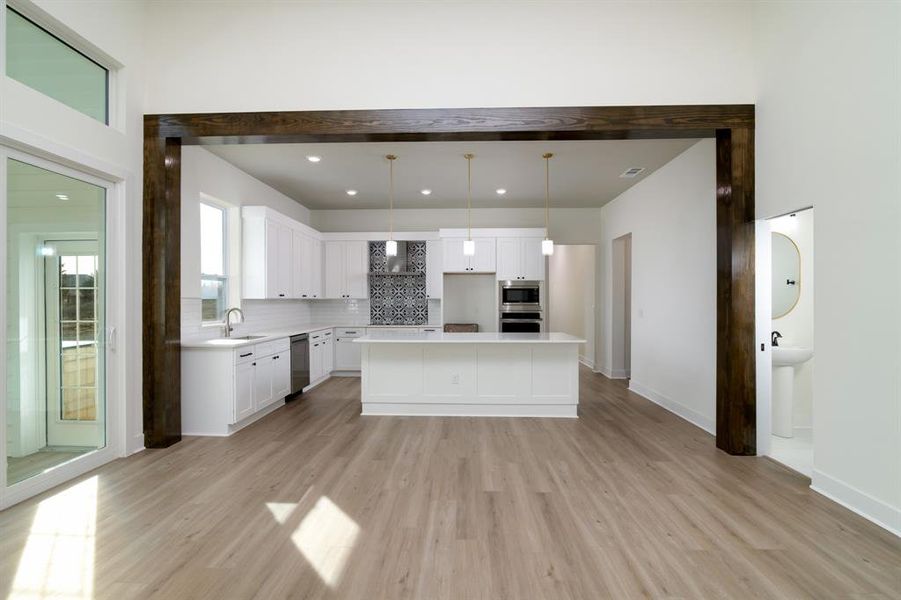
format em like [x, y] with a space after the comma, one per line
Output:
[35, 123]
[205, 173]
[570, 293]
[797, 326]
[471, 299]
[269, 55]
[672, 218]
[827, 135]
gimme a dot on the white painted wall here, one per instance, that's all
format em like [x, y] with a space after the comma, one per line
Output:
[672, 218]
[570, 293]
[827, 136]
[270, 55]
[38, 124]
[797, 325]
[471, 299]
[204, 173]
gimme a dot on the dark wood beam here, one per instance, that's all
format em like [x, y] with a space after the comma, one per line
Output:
[736, 388]
[161, 288]
[574, 123]
[732, 125]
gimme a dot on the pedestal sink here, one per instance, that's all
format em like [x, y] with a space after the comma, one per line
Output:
[785, 359]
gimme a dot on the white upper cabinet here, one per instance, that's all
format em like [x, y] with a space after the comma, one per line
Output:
[307, 267]
[483, 261]
[267, 259]
[346, 269]
[520, 259]
[281, 258]
[434, 273]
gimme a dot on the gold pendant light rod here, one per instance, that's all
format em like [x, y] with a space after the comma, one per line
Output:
[547, 190]
[391, 158]
[469, 158]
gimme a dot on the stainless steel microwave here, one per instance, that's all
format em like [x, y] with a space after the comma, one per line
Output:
[520, 295]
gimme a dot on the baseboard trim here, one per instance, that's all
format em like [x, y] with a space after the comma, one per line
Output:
[677, 408]
[587, 363]
[872, 509]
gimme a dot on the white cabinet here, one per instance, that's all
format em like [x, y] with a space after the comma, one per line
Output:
[307, 266]
[434, 272]
[520, 259]
[347, 352]
[281, 258]
[224, 389]
[346, 269]
[322, 359]
[483, 261]
[267, 259]
[243, 391]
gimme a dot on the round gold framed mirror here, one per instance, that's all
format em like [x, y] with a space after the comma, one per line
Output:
[786, 261]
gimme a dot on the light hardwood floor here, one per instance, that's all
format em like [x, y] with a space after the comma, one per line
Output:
[315, 501]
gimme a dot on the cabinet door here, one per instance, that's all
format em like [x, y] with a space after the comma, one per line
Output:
[271, 259]
[334, 270]
[434, 271]
[283, 262]
[315, 361]
[281, 375]
[315, 289]
[328, 357]
[262, 382]
[348, 355]
[298, 265]
[532, 259]
[509, 259]
[484, 260]
[356, 269]
[243, 391]
[454, 260]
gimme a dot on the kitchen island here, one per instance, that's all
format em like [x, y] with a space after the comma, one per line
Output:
[470, 374]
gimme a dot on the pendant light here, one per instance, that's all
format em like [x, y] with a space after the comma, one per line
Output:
[391, 245]
[469, 246]
[547, 244]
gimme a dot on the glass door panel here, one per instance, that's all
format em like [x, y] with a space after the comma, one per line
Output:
[56, 355]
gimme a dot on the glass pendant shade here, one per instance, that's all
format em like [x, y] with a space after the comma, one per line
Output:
[469, 248]
[391, 248]
[547, 247]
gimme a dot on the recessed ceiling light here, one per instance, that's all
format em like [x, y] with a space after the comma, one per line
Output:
[425, 192]
[62, 196]
[351, 192]
[501, 191]
[314, 158]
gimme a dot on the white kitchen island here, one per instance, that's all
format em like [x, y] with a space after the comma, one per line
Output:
[470, 374]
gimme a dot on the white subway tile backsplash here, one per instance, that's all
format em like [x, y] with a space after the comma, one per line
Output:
[341, 312]
[259, 315]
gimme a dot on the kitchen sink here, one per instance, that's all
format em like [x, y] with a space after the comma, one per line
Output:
[248, 337]
[234, 341]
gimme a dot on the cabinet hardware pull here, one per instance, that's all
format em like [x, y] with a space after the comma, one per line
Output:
[246, 355]
[281, 295]
[253, 364]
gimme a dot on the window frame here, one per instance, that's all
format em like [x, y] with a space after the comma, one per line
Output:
[115, 83]
[225, 278]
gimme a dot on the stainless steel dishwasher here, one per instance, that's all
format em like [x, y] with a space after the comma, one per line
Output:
[300, 362]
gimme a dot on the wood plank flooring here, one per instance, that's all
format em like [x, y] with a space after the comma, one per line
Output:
[314, 501]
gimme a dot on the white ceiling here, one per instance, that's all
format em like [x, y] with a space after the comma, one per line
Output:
[583, 173]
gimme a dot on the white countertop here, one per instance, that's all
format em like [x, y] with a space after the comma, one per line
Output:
[400, 337]
[270, 335]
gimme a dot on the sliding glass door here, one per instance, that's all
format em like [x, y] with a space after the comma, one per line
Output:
[56, 408]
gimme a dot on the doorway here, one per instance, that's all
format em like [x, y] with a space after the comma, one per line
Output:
[622, 308]
[55, 409]
[570, 291]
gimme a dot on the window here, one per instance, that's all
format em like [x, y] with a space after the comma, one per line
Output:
[213, 261]
[45, 63]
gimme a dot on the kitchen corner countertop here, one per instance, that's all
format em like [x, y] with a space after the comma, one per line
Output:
[401, 337]
[270, 335]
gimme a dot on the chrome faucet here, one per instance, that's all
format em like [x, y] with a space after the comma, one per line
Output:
[228, 325]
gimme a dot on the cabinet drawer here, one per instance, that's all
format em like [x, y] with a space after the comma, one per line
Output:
[245, 354]
[429, 329]
[350, 332]
[320, 334]
[273, 347]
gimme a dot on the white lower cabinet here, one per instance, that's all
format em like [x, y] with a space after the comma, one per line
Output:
[223, 388]
[322, 357]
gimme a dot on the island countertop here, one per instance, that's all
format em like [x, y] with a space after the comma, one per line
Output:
[401, 337]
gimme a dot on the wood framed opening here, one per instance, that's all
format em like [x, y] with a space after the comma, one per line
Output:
[731, 125]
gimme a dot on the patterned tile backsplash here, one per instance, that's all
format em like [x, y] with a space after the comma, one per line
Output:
[396, 299]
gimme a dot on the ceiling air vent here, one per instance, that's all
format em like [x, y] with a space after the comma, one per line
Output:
[633, 172]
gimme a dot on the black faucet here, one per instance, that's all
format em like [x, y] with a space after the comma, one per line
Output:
[774, 338]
